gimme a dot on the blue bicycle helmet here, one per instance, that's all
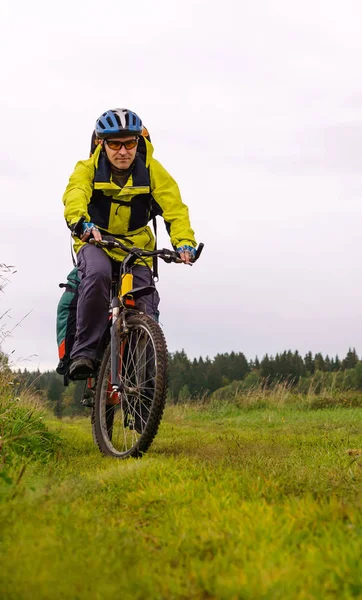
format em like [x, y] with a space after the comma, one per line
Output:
[118, 122]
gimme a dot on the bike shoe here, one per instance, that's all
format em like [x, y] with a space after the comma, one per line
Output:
[80, 368]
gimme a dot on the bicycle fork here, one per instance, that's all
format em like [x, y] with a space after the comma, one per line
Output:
[115, 345]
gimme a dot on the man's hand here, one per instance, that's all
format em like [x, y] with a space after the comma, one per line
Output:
[187, 254]
[88, 230]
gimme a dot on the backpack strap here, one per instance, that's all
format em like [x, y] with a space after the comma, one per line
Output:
[155, 258]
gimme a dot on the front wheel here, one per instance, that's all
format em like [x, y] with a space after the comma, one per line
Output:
[126, 422]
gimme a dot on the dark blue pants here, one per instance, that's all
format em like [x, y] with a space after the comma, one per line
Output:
[95, 274]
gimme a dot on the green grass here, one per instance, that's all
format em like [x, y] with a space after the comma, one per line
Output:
[227, 504]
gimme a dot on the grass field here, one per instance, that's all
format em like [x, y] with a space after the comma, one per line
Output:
[229, 504]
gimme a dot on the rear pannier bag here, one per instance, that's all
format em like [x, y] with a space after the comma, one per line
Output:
[66, 320]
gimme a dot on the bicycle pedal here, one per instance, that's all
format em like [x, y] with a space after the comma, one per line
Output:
[88, 402]
[80, 376]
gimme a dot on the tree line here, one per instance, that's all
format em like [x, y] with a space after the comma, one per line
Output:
[191, 378]
[195, 378]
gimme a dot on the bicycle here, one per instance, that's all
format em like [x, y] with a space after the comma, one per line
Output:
[127, 391]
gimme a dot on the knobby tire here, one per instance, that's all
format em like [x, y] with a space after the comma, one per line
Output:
[153, 346]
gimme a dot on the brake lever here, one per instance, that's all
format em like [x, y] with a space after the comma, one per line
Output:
[167, 258]
[101, 243]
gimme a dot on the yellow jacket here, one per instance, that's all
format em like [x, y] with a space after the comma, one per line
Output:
[125, 212]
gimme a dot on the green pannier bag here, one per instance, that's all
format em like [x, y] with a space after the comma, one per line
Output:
[66, 320]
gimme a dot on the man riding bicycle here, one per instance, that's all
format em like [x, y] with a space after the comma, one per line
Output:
[116, 192]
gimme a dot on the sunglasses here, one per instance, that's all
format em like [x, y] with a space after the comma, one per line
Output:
[118, 144]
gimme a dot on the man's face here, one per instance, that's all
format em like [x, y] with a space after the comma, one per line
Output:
[121, 157]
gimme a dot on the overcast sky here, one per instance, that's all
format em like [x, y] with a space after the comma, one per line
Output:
[255, 107]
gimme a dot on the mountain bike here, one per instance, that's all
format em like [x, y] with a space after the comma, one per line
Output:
[127, 391]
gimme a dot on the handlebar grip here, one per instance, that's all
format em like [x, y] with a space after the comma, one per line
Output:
[198, 251]
[77, 229]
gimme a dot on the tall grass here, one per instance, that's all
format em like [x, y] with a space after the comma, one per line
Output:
[24, 435]
[285, 394]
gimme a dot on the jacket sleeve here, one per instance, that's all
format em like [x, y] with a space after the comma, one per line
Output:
[166, 194]
[79, 192]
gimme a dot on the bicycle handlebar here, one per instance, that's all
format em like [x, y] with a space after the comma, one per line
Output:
[165, 254]
[111, 242]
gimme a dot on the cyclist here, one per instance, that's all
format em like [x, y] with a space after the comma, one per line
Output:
[113, 193]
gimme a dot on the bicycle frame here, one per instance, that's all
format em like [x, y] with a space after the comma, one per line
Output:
[121, 303]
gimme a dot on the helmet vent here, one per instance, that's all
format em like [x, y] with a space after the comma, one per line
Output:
[118, 121]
